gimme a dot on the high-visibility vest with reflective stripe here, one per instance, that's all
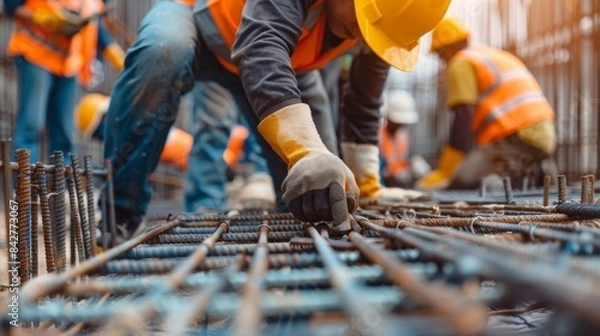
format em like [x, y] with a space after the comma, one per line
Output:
[509, 99]
[394, 148]
[219, 20]
[59, 55]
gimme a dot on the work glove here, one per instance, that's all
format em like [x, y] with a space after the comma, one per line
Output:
[319, 186]
[59, 21]
[363, 160]
[115, 56]
[441, 177]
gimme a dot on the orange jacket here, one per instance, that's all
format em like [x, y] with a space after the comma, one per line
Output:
[60, 55]
[509, 99]
[223, 17]
[394, 149]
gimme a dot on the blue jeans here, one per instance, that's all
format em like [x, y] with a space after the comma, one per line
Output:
[44, 99]
[163, 64]
[214, 115]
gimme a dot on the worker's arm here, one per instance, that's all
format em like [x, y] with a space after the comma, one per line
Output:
[462, 97]
[318, 186]
[110, 50]
[360, 129]
[461, 136]
[262, 49]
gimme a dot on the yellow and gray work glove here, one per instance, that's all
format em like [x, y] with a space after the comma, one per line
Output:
[319, 186]
[440, 178]
[363, 160]
[59, 21]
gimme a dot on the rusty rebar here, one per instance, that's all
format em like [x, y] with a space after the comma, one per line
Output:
[546, 194]
[91, 203]
[249, 315]
[78, 245]
[179, 320]
[242, 237]
[109, 194]
[562, 188]
[463, 316]
[178, 251]
[50, 284]
[83, 214]
[347, 287]
[585, 184]
[59, 210]
[24, 197]
[592, 188]
[48, 232]
[35, 205]
[465, 222]
[508, 192]
[276, 261]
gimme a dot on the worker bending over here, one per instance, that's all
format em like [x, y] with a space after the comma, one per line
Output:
[497, 103]
[400, 168]
[254, 49]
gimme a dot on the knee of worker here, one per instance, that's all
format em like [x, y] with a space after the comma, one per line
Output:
[167, 35]
[159, 52]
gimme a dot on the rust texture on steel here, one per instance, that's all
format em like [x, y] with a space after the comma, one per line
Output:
[404, 269]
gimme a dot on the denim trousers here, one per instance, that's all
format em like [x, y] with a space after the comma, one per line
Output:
[45, 101]
[168, 60]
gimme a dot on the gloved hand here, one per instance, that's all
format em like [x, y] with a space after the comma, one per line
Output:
[59, 21]
[441, 177]
[363, 160]
[319, 186]
[114, 54]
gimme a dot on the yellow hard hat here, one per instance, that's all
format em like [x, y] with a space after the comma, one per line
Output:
[392, 28]
[447, 32]
[89, 112]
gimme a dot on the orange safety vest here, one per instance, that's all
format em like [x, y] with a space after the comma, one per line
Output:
[510, 98]
[394, 148]
[59, 55]
[219, 20]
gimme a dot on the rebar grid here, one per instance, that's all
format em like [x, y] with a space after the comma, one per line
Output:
[405, 268]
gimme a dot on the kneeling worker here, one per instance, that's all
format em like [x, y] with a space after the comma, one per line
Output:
[497, 103]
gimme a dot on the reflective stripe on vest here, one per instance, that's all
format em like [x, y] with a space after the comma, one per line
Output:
[219, 20]
[509, 96]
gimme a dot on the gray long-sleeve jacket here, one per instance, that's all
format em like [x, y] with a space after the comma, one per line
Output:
[266, 38]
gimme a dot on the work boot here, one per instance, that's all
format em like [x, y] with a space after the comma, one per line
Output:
[257, 192]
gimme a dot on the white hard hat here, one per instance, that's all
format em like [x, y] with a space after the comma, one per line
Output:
[400, 108]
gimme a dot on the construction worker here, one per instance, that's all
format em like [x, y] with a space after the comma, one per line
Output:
[90, 115]
[54, 44]
[399, 111]
[254, 52]
[497, 104]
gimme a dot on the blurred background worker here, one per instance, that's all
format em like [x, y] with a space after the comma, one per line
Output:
[90, 114]
[54, 44]
[497, 103]
[250, 184]
[399, 169]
